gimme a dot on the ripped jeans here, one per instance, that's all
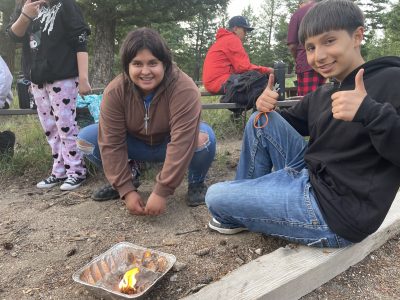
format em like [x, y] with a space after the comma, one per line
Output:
[138, 150]
[278, 203]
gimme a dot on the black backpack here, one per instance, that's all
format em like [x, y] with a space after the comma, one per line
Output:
[245, 88]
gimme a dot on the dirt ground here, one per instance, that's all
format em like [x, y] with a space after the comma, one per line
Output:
[47, 235]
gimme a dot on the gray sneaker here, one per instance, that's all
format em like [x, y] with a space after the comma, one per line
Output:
[50, 182]
[225, 229]
[72, 183]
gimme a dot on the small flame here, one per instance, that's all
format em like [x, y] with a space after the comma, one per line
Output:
[147, 254]
[128, 282]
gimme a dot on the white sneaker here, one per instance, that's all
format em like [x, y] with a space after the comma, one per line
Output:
[49, 182]
[72, 183]
[223, 228]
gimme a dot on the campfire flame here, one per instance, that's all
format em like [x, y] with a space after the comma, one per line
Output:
[128, 282]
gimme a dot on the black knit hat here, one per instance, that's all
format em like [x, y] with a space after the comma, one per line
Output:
[240, 21]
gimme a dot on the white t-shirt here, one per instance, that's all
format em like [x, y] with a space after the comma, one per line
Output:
[5, 84]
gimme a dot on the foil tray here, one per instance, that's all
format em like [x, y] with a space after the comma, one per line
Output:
[102, 275]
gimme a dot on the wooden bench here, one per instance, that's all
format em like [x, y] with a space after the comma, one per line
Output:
[286, 103]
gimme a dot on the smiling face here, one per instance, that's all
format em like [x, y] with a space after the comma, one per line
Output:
[146, 71]
[336, 53]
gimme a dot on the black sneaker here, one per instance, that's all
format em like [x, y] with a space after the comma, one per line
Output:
[223, 228]
[49, 182]
[196, 194]
[105, 193]
[72, 183]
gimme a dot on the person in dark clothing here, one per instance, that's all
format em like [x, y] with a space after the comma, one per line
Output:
[308, 80]
[54, 38]
[227, 68]
[336, 189]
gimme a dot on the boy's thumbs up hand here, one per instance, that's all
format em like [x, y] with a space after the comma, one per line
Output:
[266, 102]
[345, 104]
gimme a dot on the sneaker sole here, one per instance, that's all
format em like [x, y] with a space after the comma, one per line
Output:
[227, 230]
[194, 204]
[100, 199]
[70, 187]
[47, 186]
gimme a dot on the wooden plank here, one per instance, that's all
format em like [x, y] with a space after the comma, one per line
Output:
[290, 273]
[285, 103]
[10, 112]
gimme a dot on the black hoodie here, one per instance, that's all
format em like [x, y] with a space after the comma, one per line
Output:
[354, 166]
[51, 42]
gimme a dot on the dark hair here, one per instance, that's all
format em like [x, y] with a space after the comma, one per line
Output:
[330, 15]
[145, 38]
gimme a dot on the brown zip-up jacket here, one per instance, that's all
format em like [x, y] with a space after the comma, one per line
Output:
[174, 113]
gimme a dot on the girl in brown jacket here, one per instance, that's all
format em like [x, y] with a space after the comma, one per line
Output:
[151, 112]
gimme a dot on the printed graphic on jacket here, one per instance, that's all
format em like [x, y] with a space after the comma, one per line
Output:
[34, 40]
[47, 15]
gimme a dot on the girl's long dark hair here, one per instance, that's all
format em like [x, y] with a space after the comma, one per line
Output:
[145, 38]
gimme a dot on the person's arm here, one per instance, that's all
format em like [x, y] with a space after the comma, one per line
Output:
[380, 118]
[293, 49]
[292, 37]
[185, 115]
[29, 12]
[77, 34]
[83, 62]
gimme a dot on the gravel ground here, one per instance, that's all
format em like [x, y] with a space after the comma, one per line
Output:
[45, 236]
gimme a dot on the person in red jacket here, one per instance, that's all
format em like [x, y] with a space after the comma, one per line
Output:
[227, 56]
[226, 60]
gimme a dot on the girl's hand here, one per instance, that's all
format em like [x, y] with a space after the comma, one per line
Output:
[155, 205]
[84, 87]
[31, 8]
[134, 203]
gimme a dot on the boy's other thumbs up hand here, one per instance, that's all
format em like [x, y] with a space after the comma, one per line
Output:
[359, 82]
[345, 104]
[266, 102]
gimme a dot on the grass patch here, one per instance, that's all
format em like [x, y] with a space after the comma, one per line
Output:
[31, 153]
[221, 120]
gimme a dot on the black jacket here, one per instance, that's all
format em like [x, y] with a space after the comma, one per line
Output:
[51, 42]
[354, 166]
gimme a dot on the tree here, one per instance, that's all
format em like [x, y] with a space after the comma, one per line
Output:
[106, 16]
[281, 51]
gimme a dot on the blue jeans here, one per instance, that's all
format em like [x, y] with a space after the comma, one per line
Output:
[138, 150]
[272, 193]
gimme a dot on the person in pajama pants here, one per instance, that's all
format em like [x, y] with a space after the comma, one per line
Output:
[54, 55]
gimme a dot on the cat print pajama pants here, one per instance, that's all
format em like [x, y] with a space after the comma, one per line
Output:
[56, 107]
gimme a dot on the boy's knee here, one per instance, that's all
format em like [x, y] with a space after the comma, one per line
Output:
[214, 195]
[84, 146]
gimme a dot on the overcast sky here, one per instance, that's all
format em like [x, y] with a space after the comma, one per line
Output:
[236, 6]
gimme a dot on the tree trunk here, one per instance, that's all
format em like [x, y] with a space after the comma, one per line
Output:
[102, 61]
[7, 51]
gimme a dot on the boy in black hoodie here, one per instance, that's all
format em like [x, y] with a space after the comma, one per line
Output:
[337, 188]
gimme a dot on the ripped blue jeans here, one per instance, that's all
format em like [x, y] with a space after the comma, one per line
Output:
[272, 193]
[138, 150]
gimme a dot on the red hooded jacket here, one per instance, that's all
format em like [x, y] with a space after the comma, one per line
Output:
[225, 57]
